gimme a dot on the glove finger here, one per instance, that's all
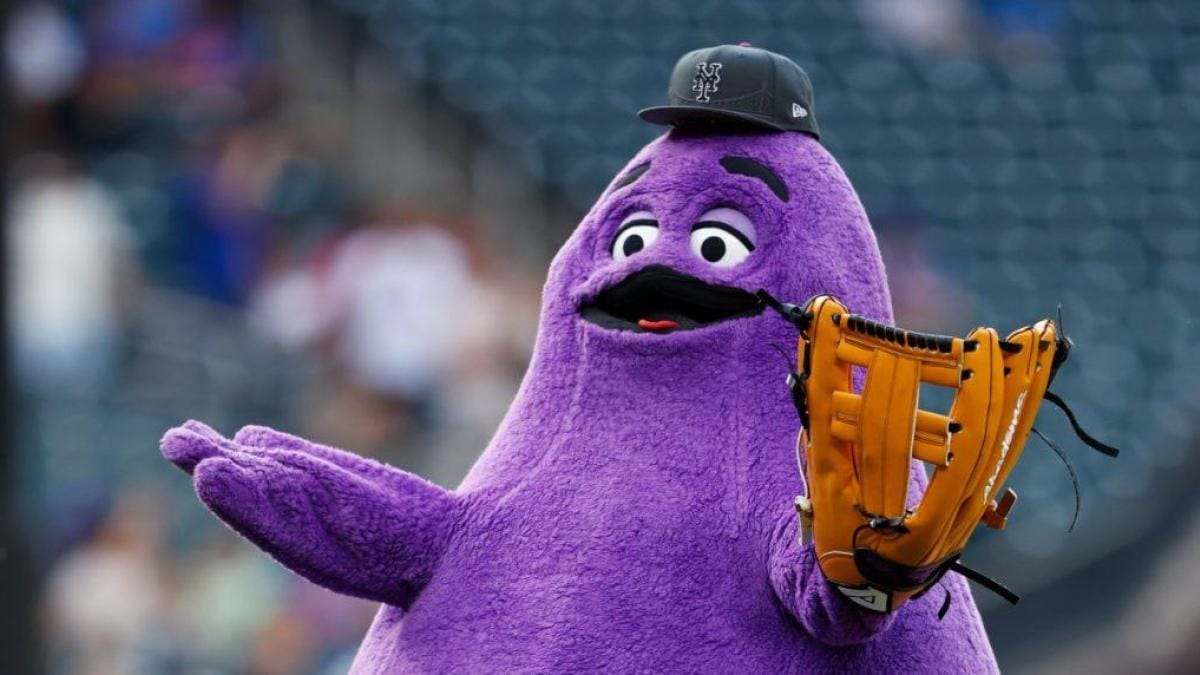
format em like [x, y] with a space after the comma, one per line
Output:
[885, 424]
[260, 438]
[1029, 371]
[953, 489]
[186, 447]
[832, 476]
[202, 429]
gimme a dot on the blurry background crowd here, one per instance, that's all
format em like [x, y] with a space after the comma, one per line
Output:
[334, 216]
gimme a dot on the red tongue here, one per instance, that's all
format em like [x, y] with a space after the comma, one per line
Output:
[661, 324]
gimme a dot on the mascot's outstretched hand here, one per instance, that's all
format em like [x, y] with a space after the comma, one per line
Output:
[348, 523]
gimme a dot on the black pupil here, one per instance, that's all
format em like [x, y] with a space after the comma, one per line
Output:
[713, 249]
[633, 244]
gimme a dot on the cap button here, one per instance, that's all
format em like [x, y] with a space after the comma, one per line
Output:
[743, 43]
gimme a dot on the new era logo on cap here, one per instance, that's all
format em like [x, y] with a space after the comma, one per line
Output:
[798, 110]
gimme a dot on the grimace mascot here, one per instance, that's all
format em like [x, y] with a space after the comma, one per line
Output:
[635, 511]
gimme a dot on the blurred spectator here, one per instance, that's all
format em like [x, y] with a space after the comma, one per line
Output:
[218, 207]
[1024, 30]
[392, 296]
[926, 25]
[1018, 30]
[923, 295]
[1015, 18]
[72, 268]
[388, 303]
[227, 591]
[44, 52]
[106, 601]
[285, 645]
[219, 46]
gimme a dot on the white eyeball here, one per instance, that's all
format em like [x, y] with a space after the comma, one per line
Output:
[717, 241]
[638, 232]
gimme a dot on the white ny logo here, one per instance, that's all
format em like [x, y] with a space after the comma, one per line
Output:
[705, 82]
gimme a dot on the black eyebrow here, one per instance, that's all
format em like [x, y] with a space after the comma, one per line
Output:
[749, 167]
[741, 236]
[634, 174]
[634, 223]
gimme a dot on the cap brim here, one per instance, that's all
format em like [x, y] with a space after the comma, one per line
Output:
[673, 115]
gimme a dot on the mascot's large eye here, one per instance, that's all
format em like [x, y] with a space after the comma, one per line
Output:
[637, 232]
[723, 237]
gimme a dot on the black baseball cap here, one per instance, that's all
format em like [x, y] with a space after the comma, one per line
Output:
[738, 84]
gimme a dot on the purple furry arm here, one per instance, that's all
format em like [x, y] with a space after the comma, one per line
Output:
[344, 522]
[803, 590]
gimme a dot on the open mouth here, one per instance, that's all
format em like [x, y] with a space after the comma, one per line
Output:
[657, 299]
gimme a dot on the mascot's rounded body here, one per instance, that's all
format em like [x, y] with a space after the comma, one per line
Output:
[634, 511]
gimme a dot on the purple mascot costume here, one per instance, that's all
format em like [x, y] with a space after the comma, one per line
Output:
[633, 512]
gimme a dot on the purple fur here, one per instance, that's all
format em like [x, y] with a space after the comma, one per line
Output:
[634, 510]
